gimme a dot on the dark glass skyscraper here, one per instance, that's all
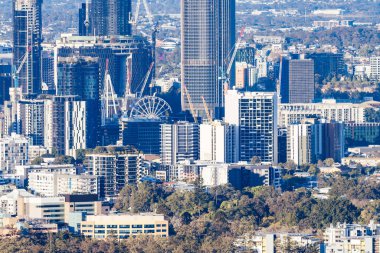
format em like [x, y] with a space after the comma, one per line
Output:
[297, 81]
[208, 35]
[110, 17]
[79, 76]
[27, 38]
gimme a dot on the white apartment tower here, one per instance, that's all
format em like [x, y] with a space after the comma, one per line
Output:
[179, 142]
[254, 115]
[218, 142]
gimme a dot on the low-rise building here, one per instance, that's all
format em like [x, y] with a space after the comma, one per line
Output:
[352, 238]
[50, 184]
[123, 226]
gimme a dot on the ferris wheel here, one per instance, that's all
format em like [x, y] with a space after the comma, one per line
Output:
[151, 107]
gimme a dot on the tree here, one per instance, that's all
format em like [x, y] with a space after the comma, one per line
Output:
[329, 162]
[256, 160]
[37, 161]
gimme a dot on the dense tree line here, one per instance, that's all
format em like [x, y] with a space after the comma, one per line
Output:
[209, 220]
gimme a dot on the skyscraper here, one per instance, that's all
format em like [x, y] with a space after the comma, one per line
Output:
[297, 81]
[208, 35]
[65, 125]
[27, 38]
[254, 115]
[179, 142]
[110, 17]
[79, 76]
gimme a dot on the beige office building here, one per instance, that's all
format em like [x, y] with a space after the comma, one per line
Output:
[122, 226]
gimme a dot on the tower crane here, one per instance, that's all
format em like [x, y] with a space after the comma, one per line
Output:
[16, 72]
[87, 21]
[146, 79]
[192, 110]
[209, 118]
[225, 76]
[134, 20]
[108, 99]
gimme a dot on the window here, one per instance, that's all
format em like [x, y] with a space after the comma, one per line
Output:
[111, 226]
[124, 226]
[99, 226]
[100, 231]
[124, 232]
[149, 231]
[136, 226]
[149, 226]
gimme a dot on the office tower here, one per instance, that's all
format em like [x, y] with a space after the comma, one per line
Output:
[375, 68]
[117, 169]
[13, 152]
[254, 114]
[5, 82]
[179, 142]
[297, 81]
[79, 76]
[143, 134]
[27, 38]
[111, 17]
[30, 120]
[48, 71]
[208, 35]
[65, 125]
[333, 140]
[128, 57]
[361, 134]
[327, 64]
[218, 142]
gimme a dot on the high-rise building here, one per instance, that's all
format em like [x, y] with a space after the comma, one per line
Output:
[5, 82]
[179, 142]
[79, 76]
[314, 140]
[254, 114]
[48, 70]
[208, 35]
[111, 17]
[328, 64]
[27, 38]
[218, 142]
[13, 152]
[375, 68]
[65, 125]
[30, 120]
[297, 81]
[304, 142]
[127, 57]
[117, 169]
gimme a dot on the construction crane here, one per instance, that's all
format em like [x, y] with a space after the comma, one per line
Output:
[17, 71]
[134, 20]
[209, 118]
[146, 79]
[225, 76]
[87, 20]
[192, 110]
[108, 100]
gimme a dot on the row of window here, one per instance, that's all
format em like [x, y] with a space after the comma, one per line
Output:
[125, 226]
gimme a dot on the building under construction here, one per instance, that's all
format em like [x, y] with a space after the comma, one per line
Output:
[27, 38]
[105, 18]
